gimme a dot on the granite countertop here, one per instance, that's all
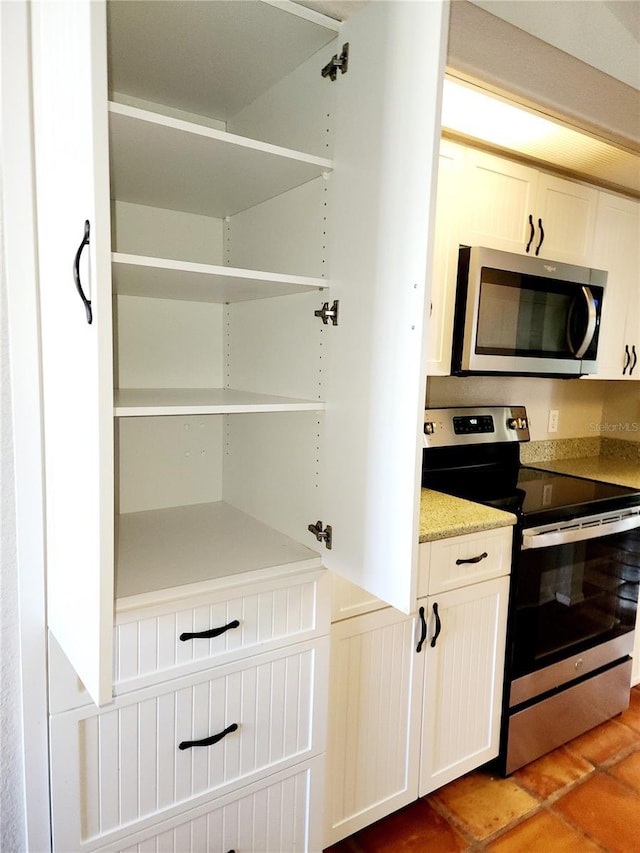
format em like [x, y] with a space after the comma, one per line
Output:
[623, 472]
[442, 516]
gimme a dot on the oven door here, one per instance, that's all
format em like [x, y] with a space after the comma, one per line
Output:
[575, 589]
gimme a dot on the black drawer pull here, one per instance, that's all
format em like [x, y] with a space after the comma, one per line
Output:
[438, 625]
[208, 741]
[76, 273]
[423, 630]
[472, 559]
[212, 632]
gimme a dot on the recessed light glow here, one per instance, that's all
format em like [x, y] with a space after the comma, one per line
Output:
[480, 116]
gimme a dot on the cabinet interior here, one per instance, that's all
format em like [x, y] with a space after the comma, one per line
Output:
[220, 147]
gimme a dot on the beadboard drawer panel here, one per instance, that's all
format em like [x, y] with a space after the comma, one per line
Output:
[276, 815]
[453, 563]
[120, 770]
[149, 648]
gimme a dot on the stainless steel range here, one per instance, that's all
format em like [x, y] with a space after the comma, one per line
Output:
[574, 583]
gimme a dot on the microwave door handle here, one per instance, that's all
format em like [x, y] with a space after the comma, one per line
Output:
[592, 321]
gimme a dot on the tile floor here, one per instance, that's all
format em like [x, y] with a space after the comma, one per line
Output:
[582, 798]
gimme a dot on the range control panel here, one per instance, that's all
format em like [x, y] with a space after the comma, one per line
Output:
[475, 425]
[472, 424]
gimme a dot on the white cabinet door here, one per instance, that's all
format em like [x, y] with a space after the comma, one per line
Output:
[387, 131]
[617, 250]
[71, 138]
[374, 720]
[445, 259]
[567, 211]
[635, 670]
[500, 198]
[463, 681]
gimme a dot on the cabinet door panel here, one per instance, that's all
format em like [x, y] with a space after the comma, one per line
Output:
[617, 250]
[567, 210]
[387, 130]
[501, 198]
[463, 682]
[374, 702]
[70, 98]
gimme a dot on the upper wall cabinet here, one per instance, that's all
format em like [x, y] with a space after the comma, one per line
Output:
[233, 374]
[617, 250]
[515, 208]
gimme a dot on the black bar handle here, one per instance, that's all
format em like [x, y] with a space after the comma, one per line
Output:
[76, 273]
[627, 359]
[212, 632]
[477, 559]
[438, 625]
[541, 236]
[635, 358]
[423, 630]
[533, 232]
[208, 741]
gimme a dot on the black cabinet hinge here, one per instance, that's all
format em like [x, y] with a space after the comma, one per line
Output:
[322, 534]
[330, 70]
[325, 313]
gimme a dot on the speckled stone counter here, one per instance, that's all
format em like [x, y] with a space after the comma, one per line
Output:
[442, 516]
[624, 472]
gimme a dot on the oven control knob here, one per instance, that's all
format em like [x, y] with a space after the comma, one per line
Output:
[429, 427]
[517, 423]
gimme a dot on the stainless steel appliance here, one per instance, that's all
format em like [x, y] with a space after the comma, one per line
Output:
[525, 315]
[574, 581]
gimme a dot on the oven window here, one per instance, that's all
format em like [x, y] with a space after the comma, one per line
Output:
[568, 598]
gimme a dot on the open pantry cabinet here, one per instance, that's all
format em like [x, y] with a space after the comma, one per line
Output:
[238, 202]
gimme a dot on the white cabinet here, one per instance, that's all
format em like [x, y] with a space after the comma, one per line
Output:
[231, 190]
[462, 702]
[416, 701]
[617, 250]
[635, 671]
[215, 718]
[373, 754]
[516, 208]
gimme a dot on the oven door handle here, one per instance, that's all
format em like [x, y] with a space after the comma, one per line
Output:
[545, 538]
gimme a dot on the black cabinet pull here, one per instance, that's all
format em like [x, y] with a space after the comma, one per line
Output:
[635, 358]
[423, 630]
[208, 741]
[212, 632]
[472, 559]
[541, 236]
[438, 625]
[627, 359]
[76, 273]
[533, 232]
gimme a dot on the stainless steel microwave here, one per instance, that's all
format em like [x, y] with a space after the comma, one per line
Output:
[525, 315]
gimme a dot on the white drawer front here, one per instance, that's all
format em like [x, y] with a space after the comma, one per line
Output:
[279, 815]
[124, 766]
[462, 560]
[148, 647]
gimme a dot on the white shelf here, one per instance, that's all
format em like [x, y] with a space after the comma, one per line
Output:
[160, 161]
[136, 275]
[166, 548]
[136, 402]
[224, 54]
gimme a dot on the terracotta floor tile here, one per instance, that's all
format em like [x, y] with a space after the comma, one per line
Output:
[483, 804]
[553, 772]
[543, 832]
[606, 810]
[414, 829]
[631, 717]
[604, 742]
[628, 771]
